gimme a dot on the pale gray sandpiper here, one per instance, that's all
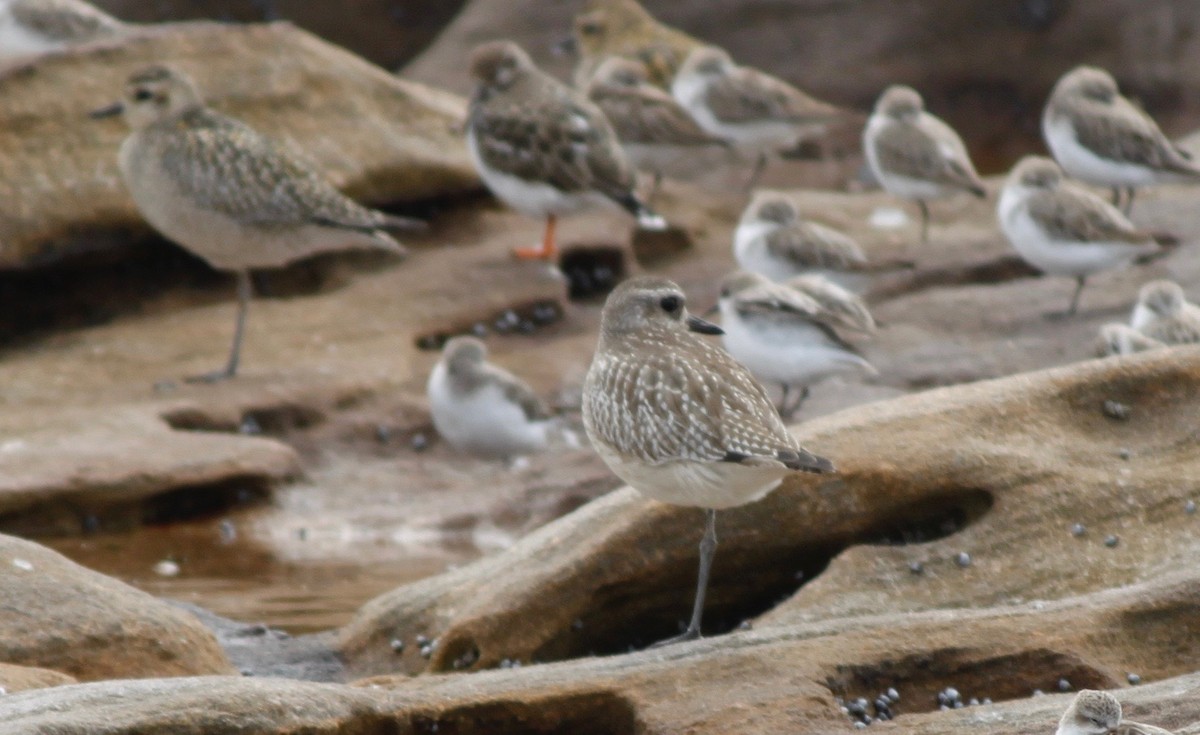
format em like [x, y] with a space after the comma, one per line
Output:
[679, 419]
[1100, 137]
[1122, 339]
[30, 27]
[772, 239]
[786, 333]
[228, 194]
[759, 113]
[1094, 712]
[543, 148]
[607, 28]
[483, 409]
[1164, 314]
[915, 155]
[657, 133]
[1062, 228]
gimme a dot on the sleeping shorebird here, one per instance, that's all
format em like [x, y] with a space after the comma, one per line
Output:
[229, 194]
[1099, 713]
[544, 148]
[1063, 229]
[1100, 137]
[914, 155]
[1163, 313]
[1122, 339]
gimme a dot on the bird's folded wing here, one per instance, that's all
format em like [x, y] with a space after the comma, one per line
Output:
[811, 246]
[747, 95]
[1073, 214]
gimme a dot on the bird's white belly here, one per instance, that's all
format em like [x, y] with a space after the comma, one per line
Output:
[796, 355]
[895, 184]
[1084, 164]
[484, 422]
[714, 485]
[1063, 258]
[533, 198]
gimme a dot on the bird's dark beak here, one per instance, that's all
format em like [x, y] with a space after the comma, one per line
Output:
[565, 47]
[696, 324]
[112, 110]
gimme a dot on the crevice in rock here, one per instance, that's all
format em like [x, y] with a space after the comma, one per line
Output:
[584, 713]
[920, 678]
[89, 513]
[277, 420]
[592, 270]
[997, 270]
[932, 518]
[525, 317]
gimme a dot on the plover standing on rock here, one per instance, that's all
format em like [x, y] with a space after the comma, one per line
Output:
[29, 27]
[914, 155]
[1100, 137]
[759, 113]
[1164, 314]
[1063, 229]
[772, 239]
[483, 409]
[544, 148]
[1094, 712]
[680, 420]
[228, 194]
[659, 135]
[785, 332]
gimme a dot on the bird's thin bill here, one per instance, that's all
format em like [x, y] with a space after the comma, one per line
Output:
[696, 324]
[112, 110]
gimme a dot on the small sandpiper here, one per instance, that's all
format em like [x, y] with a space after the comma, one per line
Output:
[680, 420]
[1121, 339]
[759, 113]
[785, 333]
[772, 239]
[915, 155]
[607, 28]
[1094, 712]
[1062, 228]
[657, 133]
[544, 148]
[1164, 314]
[483, 409]
[228, 194]
[1100, 137]
[31, 27]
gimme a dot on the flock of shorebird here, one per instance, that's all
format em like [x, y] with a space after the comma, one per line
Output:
[675, 416]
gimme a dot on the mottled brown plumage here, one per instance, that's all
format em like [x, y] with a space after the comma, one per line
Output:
[640, 112]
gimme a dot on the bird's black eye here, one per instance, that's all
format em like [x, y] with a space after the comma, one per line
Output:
[670, 304]
[591, 29]
[142, 95]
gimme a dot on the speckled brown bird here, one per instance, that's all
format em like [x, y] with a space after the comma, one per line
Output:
[229, 194]
[543, 148]
[1164, 314]
[623, 28]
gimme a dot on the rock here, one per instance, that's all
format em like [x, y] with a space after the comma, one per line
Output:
[61, 616]
[15, 679]
[214, 705]
[912, 470]
[58, 469]
[382, 139]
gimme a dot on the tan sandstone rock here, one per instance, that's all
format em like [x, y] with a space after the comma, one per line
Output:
[19, 678]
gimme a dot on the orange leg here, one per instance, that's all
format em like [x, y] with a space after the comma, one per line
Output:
[549, 249]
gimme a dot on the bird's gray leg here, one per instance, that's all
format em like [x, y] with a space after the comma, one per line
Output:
[1079, 284]
[658, 177]
[245, 291]
[759, 166]
[708, 549]
[924, 221]
[1130, 192]
[1116, 196]
[788, 411]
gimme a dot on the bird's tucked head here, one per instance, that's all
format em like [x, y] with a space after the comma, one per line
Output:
[1036, 172]
[499, 63]
[739, 281]
[900, 103]
[152, 94]
[1164, 298]
[1088, 82]
[706, 61]
[649, 304]
[773, 208]
[1091, 713]
[620, 72]
[463, 355]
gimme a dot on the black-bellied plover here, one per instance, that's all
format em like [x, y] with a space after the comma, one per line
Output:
[759, 113]
[483, 409]
[607, 28]
[1063, 229]
[785, 333]
[1100, 137]
[915, 155]
[657, 133]
[1164, 314]
[772, 239]
[228, 194]
[1093, 712]
[679, 419]
[30, 27]
[542, 147]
